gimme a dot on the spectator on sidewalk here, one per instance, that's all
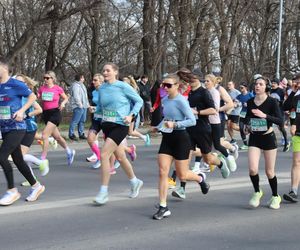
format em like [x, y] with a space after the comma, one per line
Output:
[144, 87]
[79, 105]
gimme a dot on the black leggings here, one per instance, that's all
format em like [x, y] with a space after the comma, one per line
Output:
[216, 135]
[242, 126]
[11, 145]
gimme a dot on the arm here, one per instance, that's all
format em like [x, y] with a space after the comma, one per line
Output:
[190, 118]
[288, 103]
[136, 100]
[227, 99]
[76, 95]
[210, 105]
[19, 115]
[37, 110]
[64, 102]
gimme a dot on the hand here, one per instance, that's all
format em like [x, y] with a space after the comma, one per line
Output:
[195, 111]
[152, 110]
[19, 115]
[127, 119]
[247, 129]
[92, 109]
[258, 113]
[62, 106]
[293, 130]
[169, 124]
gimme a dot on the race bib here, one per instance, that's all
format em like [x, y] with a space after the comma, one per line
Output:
[293, 115]
[47, 96]
[243, 114]
[97, 115]
[258, 124]
[298, 107]
[109, 116]
[5, 113]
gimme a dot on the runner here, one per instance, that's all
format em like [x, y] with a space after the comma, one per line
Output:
[31, 129]
[50, 94]
[293, 102]
[118, 103]
[13, 129]
[262, 112]
[175, 144]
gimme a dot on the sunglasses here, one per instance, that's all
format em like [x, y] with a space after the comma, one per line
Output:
[168, 85]
[47, 77]
[95, 80]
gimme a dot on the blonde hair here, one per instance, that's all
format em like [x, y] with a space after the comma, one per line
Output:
[212, 78]
[29, 81]
[99, 76]
[133, 83]
[53, 75]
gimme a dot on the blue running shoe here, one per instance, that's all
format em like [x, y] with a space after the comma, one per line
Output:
[148, 140]
[70, 157]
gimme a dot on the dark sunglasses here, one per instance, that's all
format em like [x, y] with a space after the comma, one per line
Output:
[47, 77]
[168, 85]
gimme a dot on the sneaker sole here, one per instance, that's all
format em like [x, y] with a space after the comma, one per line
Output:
[97, 203]
[289, 198]
[166, 215]
[175, 194]
[137, 191]
[38, 194]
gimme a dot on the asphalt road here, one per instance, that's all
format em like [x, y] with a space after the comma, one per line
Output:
[65, 218]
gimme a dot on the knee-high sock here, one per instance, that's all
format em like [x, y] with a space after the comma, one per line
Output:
[96, 150]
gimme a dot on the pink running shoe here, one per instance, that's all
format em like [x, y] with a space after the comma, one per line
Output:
[133, 154]
[112, 170]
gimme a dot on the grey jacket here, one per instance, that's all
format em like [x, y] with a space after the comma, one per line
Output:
[79, 97]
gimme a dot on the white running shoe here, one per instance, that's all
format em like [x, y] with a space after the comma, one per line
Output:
[231, 163]
[92, 158]
[52, 142]
[196, 168]
[96, 165]
[135, 188]
[235, 152]
[10, 197]
[35, 192]
[204, 167]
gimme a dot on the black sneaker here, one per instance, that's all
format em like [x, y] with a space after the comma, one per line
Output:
[203, 184]
[82, 137]
[73, 138]
[291, 196]
[161, 213]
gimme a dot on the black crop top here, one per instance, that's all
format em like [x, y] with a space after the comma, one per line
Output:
[260, 125]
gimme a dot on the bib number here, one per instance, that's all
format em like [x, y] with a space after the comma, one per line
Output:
[243, 114]
[258, 124]
[162, 127]
[5, 113]
[97, 115]
[47, 96]
[109, 116]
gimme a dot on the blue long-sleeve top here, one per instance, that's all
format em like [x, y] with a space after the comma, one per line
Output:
[117, 100]
[178, 109]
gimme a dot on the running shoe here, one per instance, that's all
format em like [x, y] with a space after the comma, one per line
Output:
[148, 140]
[255, 199]
[231, 163]
[274, 202]
[101, 198]
[92, 158]
[35, 192]
[10, 197]
[96, 165]
[53, 142]
[161, 213]
[70, 157]
[224, 169]
[172, 183]
[132, 153]
[204, 167]
[291, 197]
[235, 152]
[44, 167]
[286, 147]
[203, 184]
[179, 193]
[117, 164]
[135, 188]
[25, 184]
[196, 168]
[244, 147]
[112, 170]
